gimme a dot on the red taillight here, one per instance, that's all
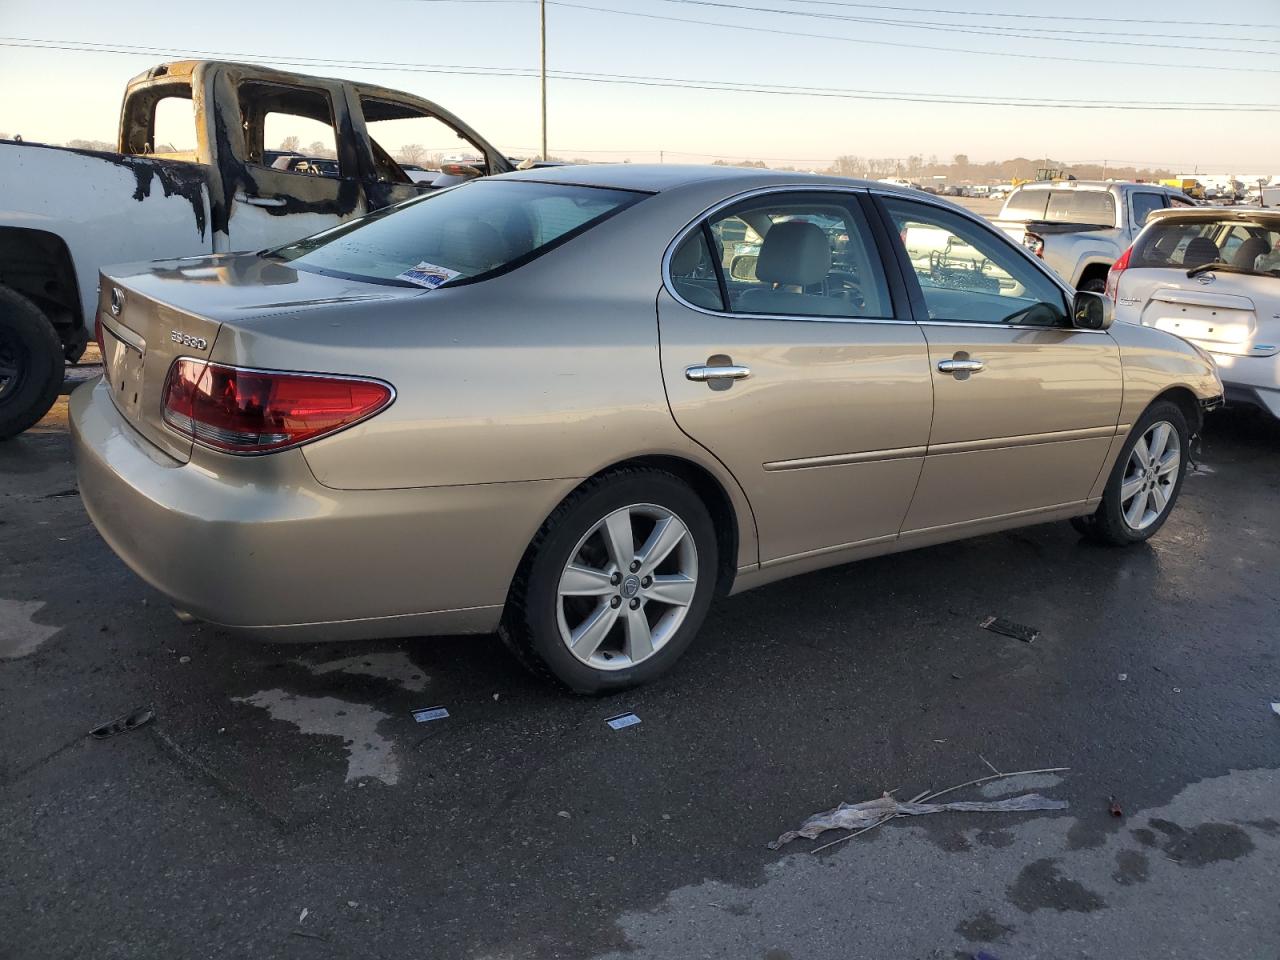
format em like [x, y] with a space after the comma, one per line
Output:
[1033, 242]
[1113, 275]
[256, 411]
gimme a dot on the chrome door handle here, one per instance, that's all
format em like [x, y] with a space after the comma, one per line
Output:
[701, 373]
[960, 366]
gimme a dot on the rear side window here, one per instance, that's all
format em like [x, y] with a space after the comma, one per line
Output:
[787, 254]
[466, 233]
[1184, 244]
[1143, 204]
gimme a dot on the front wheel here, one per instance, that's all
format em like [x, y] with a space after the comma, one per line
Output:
[616, 583]
[1146, 480]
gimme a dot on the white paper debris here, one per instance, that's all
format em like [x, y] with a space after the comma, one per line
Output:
[428, 275]
[427, 714]
[855, 816]
[623, 720]
[1275, 708]
[303, 915]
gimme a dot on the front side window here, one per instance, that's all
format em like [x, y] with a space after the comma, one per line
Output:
[1143, 204]
[968, 273]
[792, 254]
[459, 234]
[404, 136]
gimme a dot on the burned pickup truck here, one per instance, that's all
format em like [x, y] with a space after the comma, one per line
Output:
[65, 213]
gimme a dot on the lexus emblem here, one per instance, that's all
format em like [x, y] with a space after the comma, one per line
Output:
[1205, 278]
[117, 301]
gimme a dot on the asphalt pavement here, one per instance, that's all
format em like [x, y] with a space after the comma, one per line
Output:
[285, 803]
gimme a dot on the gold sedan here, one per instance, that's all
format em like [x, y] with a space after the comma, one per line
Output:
[572, 404]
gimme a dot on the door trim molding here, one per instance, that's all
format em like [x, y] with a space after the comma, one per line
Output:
[839, 459]
[1025, 440]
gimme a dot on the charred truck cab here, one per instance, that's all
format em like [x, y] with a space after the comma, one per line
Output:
[67, 213]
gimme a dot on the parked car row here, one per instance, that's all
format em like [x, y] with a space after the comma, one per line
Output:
[463, 413]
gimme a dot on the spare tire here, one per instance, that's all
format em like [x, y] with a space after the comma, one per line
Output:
[31, 364]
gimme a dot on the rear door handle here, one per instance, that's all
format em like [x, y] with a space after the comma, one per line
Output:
[960, 366]
[701, 373]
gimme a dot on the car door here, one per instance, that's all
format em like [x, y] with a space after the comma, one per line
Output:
[1025, 406]
[789, 353]
[274, 205]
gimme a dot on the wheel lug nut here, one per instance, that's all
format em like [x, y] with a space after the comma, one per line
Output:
[647, 582]
[615, 602]
[635, 565]
[616, 579]
[635, 603]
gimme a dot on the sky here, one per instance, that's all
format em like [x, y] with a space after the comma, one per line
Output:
[55, 95]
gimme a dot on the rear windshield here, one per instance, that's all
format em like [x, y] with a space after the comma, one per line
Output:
[1186, 244]
[1062, 206]
[467, 233]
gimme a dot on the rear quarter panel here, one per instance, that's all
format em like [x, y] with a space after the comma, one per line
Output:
[106, 207]
[550, 371]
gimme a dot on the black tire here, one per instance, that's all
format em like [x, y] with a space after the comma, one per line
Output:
[31, 350]
[1108, 524]
[1094, 285]
[530, 626]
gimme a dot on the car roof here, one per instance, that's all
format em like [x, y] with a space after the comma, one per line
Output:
[657, 177]
[1093, 185]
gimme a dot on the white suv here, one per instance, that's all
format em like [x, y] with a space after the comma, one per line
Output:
[1212, 276]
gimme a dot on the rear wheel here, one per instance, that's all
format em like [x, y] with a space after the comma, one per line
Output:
[31, 364]
[616, 583]
[1146, 480]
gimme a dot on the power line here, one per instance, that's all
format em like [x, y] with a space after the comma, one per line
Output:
[960, 13]
[891, 43]
[645, 81]
[983, 29]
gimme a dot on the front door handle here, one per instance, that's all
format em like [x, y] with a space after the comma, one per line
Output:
[960, 366]
[701, 373]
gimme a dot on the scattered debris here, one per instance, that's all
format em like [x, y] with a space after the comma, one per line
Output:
[495, 696]
[563, 813]
[634, 841]
[1114, 808]
[956, 676]
[666, 816]
[140, 717]
[1122, 676]
[184, 659]
[611, 859]
[352, 903]
[1008, 628]
[990, 766]
[427, 714]
[870, 814]
[1275, 708]
[308, 934]
[852, 816]
[1177, 689]
[303, 915]
[622, 721]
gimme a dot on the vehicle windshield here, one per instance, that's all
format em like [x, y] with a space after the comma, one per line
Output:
[463, 234]
[1062, 206]
[1245, 246]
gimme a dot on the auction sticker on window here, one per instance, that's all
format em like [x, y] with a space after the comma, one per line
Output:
[428, 275]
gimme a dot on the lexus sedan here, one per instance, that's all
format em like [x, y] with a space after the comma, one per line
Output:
[572, 404]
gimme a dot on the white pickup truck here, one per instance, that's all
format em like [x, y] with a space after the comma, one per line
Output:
[66, 213]
[1080, 227]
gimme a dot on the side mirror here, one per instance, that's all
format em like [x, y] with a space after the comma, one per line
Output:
[1091, 311]
[743, 267]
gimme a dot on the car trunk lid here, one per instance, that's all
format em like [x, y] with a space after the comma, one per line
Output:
[183, 308]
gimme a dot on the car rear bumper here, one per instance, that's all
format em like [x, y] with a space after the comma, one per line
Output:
[1251, 381]
[257, 544]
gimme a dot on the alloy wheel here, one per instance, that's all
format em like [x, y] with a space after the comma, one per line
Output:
[627, 587]
[1150, 476]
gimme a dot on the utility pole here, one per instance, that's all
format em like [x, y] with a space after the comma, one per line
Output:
[542, 20]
